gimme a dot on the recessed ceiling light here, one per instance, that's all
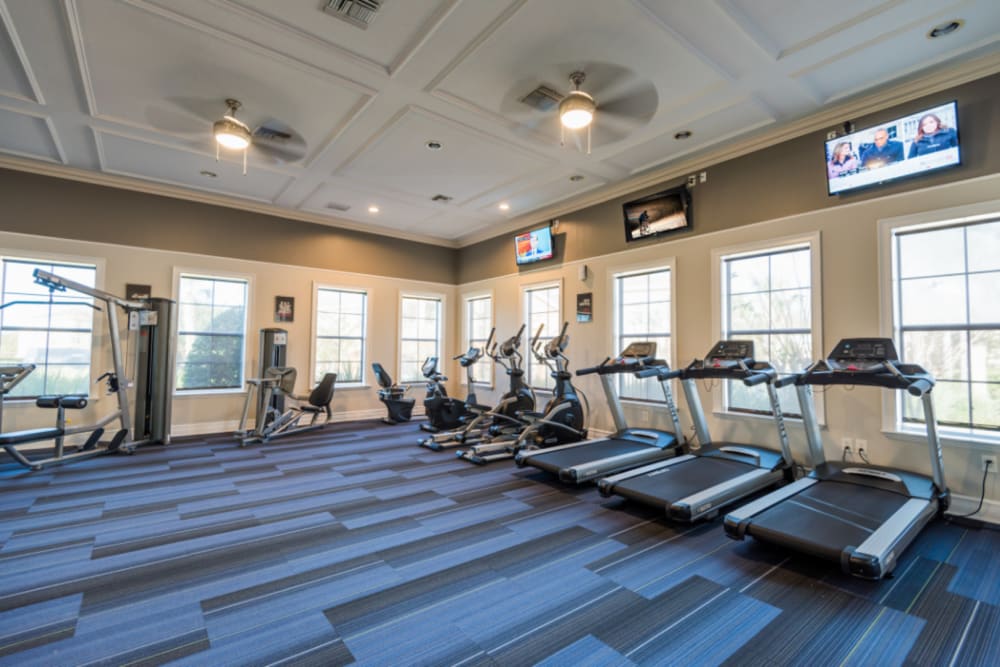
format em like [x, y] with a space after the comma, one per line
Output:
[504, 206]
[206, 172]
[576, 177]
[946, 28]
[373, 209]
[683, 134]
[433, 145]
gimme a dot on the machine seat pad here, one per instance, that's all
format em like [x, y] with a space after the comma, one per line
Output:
[71, 402]
[30, 435]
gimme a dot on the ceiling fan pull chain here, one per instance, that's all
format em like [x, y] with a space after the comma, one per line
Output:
[245, 162]
[588, 139]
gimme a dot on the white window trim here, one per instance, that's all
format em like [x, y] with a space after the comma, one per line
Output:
[886, 226]
[466, 297]
[99, 331]
[625, 270]
[442, 342]
[194, 272]
[526, 341]
[366, 347]
[813, 240]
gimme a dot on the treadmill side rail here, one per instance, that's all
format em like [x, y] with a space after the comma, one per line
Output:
[588, 470]
[736, 522]
[876, 556]
[707, 501]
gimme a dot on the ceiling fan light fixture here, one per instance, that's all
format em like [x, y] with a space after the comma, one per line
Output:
[231, 133]
[576, 111]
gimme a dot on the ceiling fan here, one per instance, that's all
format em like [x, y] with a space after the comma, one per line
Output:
[606, 99]
[271, 140]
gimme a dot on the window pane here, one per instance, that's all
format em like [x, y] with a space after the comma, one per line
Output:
[67, 379]
[933, 301]
[951, 404]
[211, 323]
[932, 253]
[69, 347]
[790, 270]
[984, 298]
[986, 355]
[790, 309]
[984, 247]
[749, 275]
[749, 312]
[942, 353]
[986, 405]
[635, 319]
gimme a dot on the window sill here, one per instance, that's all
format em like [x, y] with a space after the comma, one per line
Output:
[725, 414]
[967, 442]
[352, 385]
[197, 393]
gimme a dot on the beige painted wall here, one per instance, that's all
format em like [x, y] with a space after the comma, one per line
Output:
[207, 413]
[850, 308]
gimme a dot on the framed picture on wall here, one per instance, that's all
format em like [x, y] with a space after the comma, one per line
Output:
[135, 292]
[284, 309]
[585, 307]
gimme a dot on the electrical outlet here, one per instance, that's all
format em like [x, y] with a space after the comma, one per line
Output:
[992, 460]
[847, 448]
[861, 447]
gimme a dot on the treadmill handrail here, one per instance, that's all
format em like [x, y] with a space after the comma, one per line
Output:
[887, 375]
[627, 365]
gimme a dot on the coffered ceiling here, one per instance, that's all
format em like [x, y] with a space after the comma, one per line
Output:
[125, 92]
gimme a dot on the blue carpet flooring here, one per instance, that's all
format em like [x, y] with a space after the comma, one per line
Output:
[352, 545]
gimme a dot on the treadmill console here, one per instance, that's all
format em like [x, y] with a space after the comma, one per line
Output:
[861, 354]
[429, 367]
[730, 350]
[642, 351]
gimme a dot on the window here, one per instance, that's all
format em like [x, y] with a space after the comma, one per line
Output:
[478, 322]
[767, 297]
[946, 317]
[642, 313]
[420, 335]
[211, 332]
[53, 330]
[341, 318]
[541, 306]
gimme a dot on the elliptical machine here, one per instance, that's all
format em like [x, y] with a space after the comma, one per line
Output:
[393, 397]
[501, 418]
[444, 412]
[562, 421]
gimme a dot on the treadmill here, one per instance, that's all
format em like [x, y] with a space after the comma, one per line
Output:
[627, 447]
[862, 516]
[697, 485]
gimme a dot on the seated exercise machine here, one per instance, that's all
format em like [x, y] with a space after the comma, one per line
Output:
[393, 397]
[859, 515]
[444, 412]
[500, 419]
[696, 485]
[122, 439]
[270, 423]
[627, 447]
[562, 421]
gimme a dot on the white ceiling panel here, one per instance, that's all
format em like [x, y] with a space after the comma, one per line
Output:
[148, 78]
[628, 57]
[14, 81]
[129, 156]
[27, 135]
[178, 86]
[400, 161]
[713, 128]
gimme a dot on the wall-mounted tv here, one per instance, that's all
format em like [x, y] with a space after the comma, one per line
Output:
[663, 212]
[533, 246]
[907, 146]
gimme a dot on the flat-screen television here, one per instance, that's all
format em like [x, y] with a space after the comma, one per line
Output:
[533, 246]
[907, 146]
[661, 213]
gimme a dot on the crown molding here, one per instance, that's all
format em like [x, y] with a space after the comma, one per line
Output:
[942, 79]
[164, 190]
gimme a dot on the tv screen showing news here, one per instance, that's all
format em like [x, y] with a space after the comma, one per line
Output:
[533, 246]
[911, 145]
[664, 212]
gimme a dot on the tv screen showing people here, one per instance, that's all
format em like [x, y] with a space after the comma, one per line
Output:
[663, 212]
[533, 246]
[911, 145]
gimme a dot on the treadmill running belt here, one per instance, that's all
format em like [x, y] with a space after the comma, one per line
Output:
[591, 451]
[826, 517]
[676, 482]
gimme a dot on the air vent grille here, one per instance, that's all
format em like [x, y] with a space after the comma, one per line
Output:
[336, 206]
[359, 13]
[542, 98]
[442, 198]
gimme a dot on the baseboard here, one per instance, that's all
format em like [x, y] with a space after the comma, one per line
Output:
[990, 512]
[208, 428]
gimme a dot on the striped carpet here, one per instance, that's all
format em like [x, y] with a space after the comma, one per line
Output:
[354, 546]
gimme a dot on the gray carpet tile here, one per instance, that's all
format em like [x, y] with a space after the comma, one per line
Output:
[351, 545]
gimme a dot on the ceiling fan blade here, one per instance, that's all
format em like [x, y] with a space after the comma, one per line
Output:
[277, 142]
[185, 116]
[638, 103]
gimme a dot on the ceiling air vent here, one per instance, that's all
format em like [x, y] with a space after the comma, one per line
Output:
[444, 199]
[542, 98]
[359, 13]
[336, 206]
